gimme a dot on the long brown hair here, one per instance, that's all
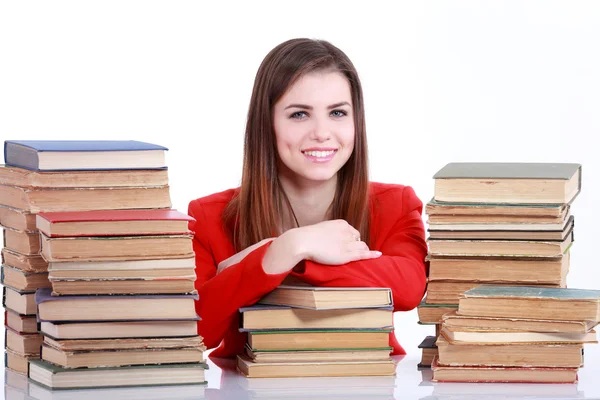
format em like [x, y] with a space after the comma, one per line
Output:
[254, 213]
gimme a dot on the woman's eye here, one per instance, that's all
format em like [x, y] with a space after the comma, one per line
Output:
[298, 115]
[339, 113]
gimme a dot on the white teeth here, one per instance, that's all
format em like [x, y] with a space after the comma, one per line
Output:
[319, 154]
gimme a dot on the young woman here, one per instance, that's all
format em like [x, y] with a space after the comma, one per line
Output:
[305, 206]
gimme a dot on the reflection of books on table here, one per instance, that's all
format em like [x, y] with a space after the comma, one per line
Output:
[318, 387]
[497, 391]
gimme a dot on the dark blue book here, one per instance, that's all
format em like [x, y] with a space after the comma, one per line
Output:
[82, 155]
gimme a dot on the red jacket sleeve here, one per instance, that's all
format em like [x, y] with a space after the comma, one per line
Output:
[400, 235]
[221, 295]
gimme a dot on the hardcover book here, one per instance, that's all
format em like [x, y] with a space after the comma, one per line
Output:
[323, 339]
[502, 374]
[113, 223]
[262, 317]
[15, 176]
[69, 155]
[323, 298]
[565, 304]
[114, 307]
[516, 183]
[55, 377]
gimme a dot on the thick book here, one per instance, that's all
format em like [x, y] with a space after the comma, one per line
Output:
[114, 307]
[119, 329]
[78, 275]
[488, 374]
[564, 304]
[432, 313]
[17, 219]
[24, 242]
[449, 292]
[453, 320]
[105, 248]
[323, 298]
[113, 223]
[18, 362]
[124, 266]
[35, 200]
[307, 369]
[520, 230]
[532, 270]
[24, 280]
[14, 176]
[69, 155]
[133, 286]
[26, 344]
[118, 358]
[20, 323]
[75, 345]
[24, 262]
[512, 248]
[487, 336]
[428, 351]
[324, 355]
[516, 183]
[323, 339]
[261, 317]
[455, 210]
[510, 354]
[55, 377]
[21, 302]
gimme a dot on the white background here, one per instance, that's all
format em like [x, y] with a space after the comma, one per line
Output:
[443, 81]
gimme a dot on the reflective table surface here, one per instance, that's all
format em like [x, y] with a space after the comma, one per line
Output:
[224, 382]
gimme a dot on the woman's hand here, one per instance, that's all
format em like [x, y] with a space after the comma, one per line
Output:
[332, 242]
[236, 258]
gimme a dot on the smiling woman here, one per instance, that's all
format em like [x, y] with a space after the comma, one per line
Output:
[305, 207]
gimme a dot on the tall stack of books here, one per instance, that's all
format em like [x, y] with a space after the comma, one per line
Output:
[517, 334]
[497, 223]
[117, 259]
[56, 176]
[301, 331]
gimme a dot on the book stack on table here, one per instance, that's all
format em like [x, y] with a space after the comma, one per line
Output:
[118, 309]
[496, 223]
[301, 331]
[517, 334]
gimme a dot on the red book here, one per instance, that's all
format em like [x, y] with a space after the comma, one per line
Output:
[113, 223]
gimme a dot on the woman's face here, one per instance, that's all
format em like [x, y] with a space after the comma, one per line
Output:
[314, 127]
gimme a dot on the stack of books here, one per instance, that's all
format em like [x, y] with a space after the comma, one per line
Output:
[517, 334]
[110, 247]
[302, 331]
[497, 223]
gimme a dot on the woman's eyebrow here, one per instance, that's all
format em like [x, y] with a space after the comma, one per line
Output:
[307, 107]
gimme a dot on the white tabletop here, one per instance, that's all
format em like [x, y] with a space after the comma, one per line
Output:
[409, 383]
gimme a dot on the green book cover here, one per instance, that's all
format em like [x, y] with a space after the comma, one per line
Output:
[54, 369]
[496, 291]
[423, 304]
[490, 170]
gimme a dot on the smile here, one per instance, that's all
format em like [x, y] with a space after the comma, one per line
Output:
[319, 155]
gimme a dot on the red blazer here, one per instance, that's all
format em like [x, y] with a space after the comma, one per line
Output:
[396, 230]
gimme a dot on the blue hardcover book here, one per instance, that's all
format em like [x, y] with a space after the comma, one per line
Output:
[82, 155]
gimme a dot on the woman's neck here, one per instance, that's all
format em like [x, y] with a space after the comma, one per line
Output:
[310, 201]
